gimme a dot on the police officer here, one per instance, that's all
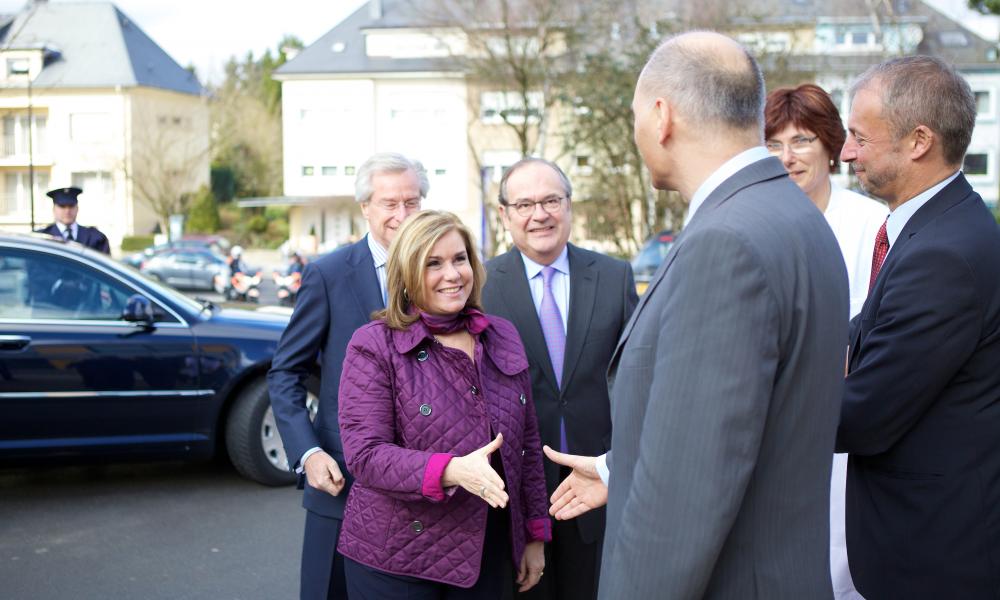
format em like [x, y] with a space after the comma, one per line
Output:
[64, 209]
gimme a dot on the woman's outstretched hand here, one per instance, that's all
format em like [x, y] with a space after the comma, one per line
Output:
[474, 473]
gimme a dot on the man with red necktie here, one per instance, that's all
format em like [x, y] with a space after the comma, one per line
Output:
[921, 410]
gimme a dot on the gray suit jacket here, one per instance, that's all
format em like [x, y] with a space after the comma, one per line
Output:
[602, 297]
[726, 388]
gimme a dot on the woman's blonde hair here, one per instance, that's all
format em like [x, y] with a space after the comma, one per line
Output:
[407, 263]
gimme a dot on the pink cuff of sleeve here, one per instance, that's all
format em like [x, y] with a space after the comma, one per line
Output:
[540, 530]
[431, 487]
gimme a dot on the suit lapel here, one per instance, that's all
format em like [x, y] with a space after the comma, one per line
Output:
[582, 294]
[949, 196]
[364, 281]
[513, 284]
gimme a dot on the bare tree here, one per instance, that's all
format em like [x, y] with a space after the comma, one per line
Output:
[168, 161]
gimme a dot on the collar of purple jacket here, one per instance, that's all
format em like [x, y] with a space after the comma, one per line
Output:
[500, 340]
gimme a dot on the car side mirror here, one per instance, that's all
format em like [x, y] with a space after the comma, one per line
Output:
[138, 309]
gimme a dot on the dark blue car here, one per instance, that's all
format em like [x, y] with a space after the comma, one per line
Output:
[96, 360]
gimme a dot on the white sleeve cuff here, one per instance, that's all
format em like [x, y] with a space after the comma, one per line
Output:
[300, 467]
[601, 462]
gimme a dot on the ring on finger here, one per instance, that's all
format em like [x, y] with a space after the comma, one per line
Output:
[482, 492]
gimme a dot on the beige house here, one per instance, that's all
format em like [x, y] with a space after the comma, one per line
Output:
[87, 99]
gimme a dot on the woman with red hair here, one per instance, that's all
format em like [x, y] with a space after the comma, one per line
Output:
[803, 128]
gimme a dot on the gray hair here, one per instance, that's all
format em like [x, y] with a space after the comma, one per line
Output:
[705, 87]
[387, 162]
[567, 187]
[924, 90]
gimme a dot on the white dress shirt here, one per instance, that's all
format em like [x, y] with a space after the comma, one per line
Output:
[855, 221]
[73, 227]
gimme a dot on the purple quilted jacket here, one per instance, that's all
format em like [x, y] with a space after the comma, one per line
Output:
[408, 404]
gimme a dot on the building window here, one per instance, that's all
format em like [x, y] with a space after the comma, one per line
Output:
[349, 170]
[15, 195]
[500, 107]
[90, 127]
[856, 37]
[308, 171]
[15, 135]
[327, 171]
[440, 171]
[95, 184]
[976, 163]
[984, 104]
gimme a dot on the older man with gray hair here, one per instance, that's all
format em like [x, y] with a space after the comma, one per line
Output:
[726, 382]
[339, 293]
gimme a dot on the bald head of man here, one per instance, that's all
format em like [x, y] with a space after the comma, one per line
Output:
[699, 101]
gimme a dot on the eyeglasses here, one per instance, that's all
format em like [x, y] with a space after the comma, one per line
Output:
[799, 144]
[526, 208]
[393, 205]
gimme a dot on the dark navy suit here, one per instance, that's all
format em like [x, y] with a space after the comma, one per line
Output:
[88, 236]
[339, 293]
[921, 411]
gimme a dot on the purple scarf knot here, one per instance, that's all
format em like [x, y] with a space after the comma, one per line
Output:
[469, 318]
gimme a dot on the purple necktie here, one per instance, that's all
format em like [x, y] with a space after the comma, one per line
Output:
[555, 337]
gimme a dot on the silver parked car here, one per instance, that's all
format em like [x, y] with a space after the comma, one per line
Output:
[187, 269]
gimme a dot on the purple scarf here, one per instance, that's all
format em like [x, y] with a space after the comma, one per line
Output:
[471, 319]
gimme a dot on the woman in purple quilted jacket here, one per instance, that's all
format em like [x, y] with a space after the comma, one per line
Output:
[440, 434]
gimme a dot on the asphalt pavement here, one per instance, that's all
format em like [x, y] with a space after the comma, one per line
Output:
[146, 531]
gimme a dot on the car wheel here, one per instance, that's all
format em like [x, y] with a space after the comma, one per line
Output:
[252, 438]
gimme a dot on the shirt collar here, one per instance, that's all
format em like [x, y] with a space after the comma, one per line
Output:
[727, 170]
[561, 264]
[379, 254]
[899, 217]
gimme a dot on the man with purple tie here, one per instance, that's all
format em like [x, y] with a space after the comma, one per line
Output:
[569, 306]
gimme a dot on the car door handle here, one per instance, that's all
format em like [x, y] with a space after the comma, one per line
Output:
[13, 342]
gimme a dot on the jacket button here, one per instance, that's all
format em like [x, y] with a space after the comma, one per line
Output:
[522, 452]
[417, 526]
[474, 390]
[422, 355]
[425, 409]
[524, 399]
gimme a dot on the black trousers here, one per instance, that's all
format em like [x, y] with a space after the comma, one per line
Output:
[572, 566]
[496, 574]
[322, 574]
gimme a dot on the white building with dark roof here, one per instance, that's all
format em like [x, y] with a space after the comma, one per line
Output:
[109, 112]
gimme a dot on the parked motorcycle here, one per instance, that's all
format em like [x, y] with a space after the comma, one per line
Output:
[244, 288]
[288, 287]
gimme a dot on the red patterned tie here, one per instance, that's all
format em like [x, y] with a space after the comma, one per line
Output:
[878, 256]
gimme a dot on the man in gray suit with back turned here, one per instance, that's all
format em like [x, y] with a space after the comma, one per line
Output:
[726, 383]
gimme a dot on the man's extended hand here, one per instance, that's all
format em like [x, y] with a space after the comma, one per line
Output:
[583, 490]
[323, 473]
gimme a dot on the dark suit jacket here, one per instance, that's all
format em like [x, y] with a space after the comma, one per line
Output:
[339, 293]
[602, 296]
[724, 396]
[88, 236]
[921, 410]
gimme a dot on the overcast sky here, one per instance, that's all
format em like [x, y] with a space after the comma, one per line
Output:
[206, 33]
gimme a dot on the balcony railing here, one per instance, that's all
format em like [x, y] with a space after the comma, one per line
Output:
[15, 148]
[14, 204]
